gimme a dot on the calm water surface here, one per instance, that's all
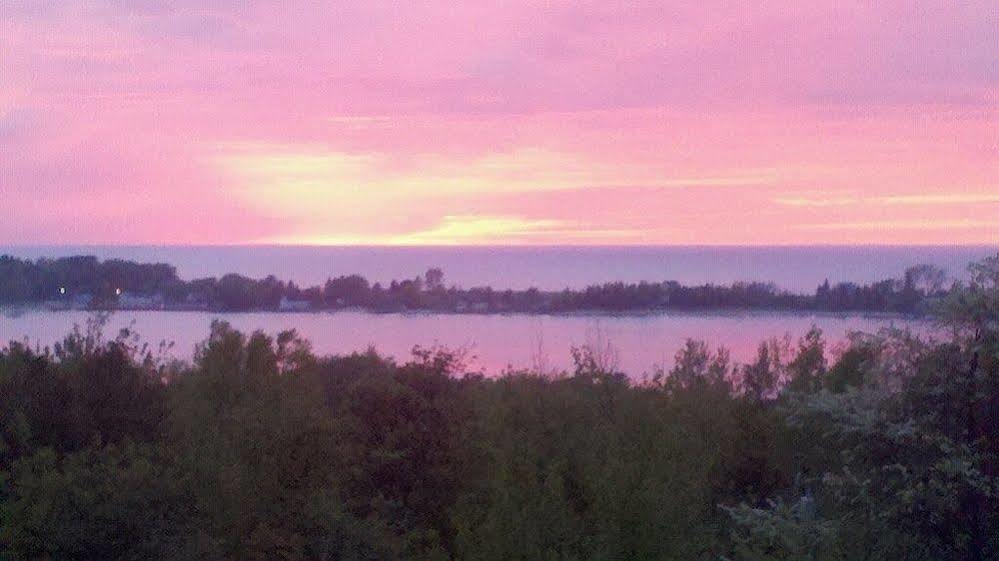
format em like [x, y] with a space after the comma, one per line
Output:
[498, 341]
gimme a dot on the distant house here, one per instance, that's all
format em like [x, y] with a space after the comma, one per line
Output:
[132, 301]
[74, 302]
[56, 305]
[81, 301]
[193, 301]
[289, 305]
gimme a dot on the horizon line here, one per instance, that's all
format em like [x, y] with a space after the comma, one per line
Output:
[501, 245]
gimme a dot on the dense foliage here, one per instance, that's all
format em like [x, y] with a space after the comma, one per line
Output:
[114, 283]
[886, 448]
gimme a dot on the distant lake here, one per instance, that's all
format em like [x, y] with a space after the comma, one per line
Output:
[640, 342]
[547, 268]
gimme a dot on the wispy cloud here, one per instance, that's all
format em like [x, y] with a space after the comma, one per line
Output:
[816, 202]
[878, 225]
[897, 200]
[940, 199]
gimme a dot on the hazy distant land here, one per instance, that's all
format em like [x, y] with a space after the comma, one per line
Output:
[88, 283]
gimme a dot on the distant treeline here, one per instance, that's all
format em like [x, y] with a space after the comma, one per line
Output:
[87, 283]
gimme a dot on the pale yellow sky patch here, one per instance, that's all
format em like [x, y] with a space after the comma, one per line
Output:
[470, 229]
[306, 181]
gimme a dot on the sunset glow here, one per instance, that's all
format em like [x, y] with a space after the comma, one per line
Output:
[438, 123]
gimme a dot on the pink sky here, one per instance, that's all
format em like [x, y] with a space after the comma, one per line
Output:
[441, 122]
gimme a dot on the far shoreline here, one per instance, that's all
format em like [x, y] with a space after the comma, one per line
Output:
[734, 313]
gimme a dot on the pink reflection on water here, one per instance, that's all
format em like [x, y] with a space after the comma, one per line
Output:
[496, 342]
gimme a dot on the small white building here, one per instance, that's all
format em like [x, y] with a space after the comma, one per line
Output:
[289, 305]
[81, 301]
[132, 301]
[66, 302]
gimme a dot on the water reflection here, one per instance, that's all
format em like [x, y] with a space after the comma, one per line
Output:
[495, 341]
